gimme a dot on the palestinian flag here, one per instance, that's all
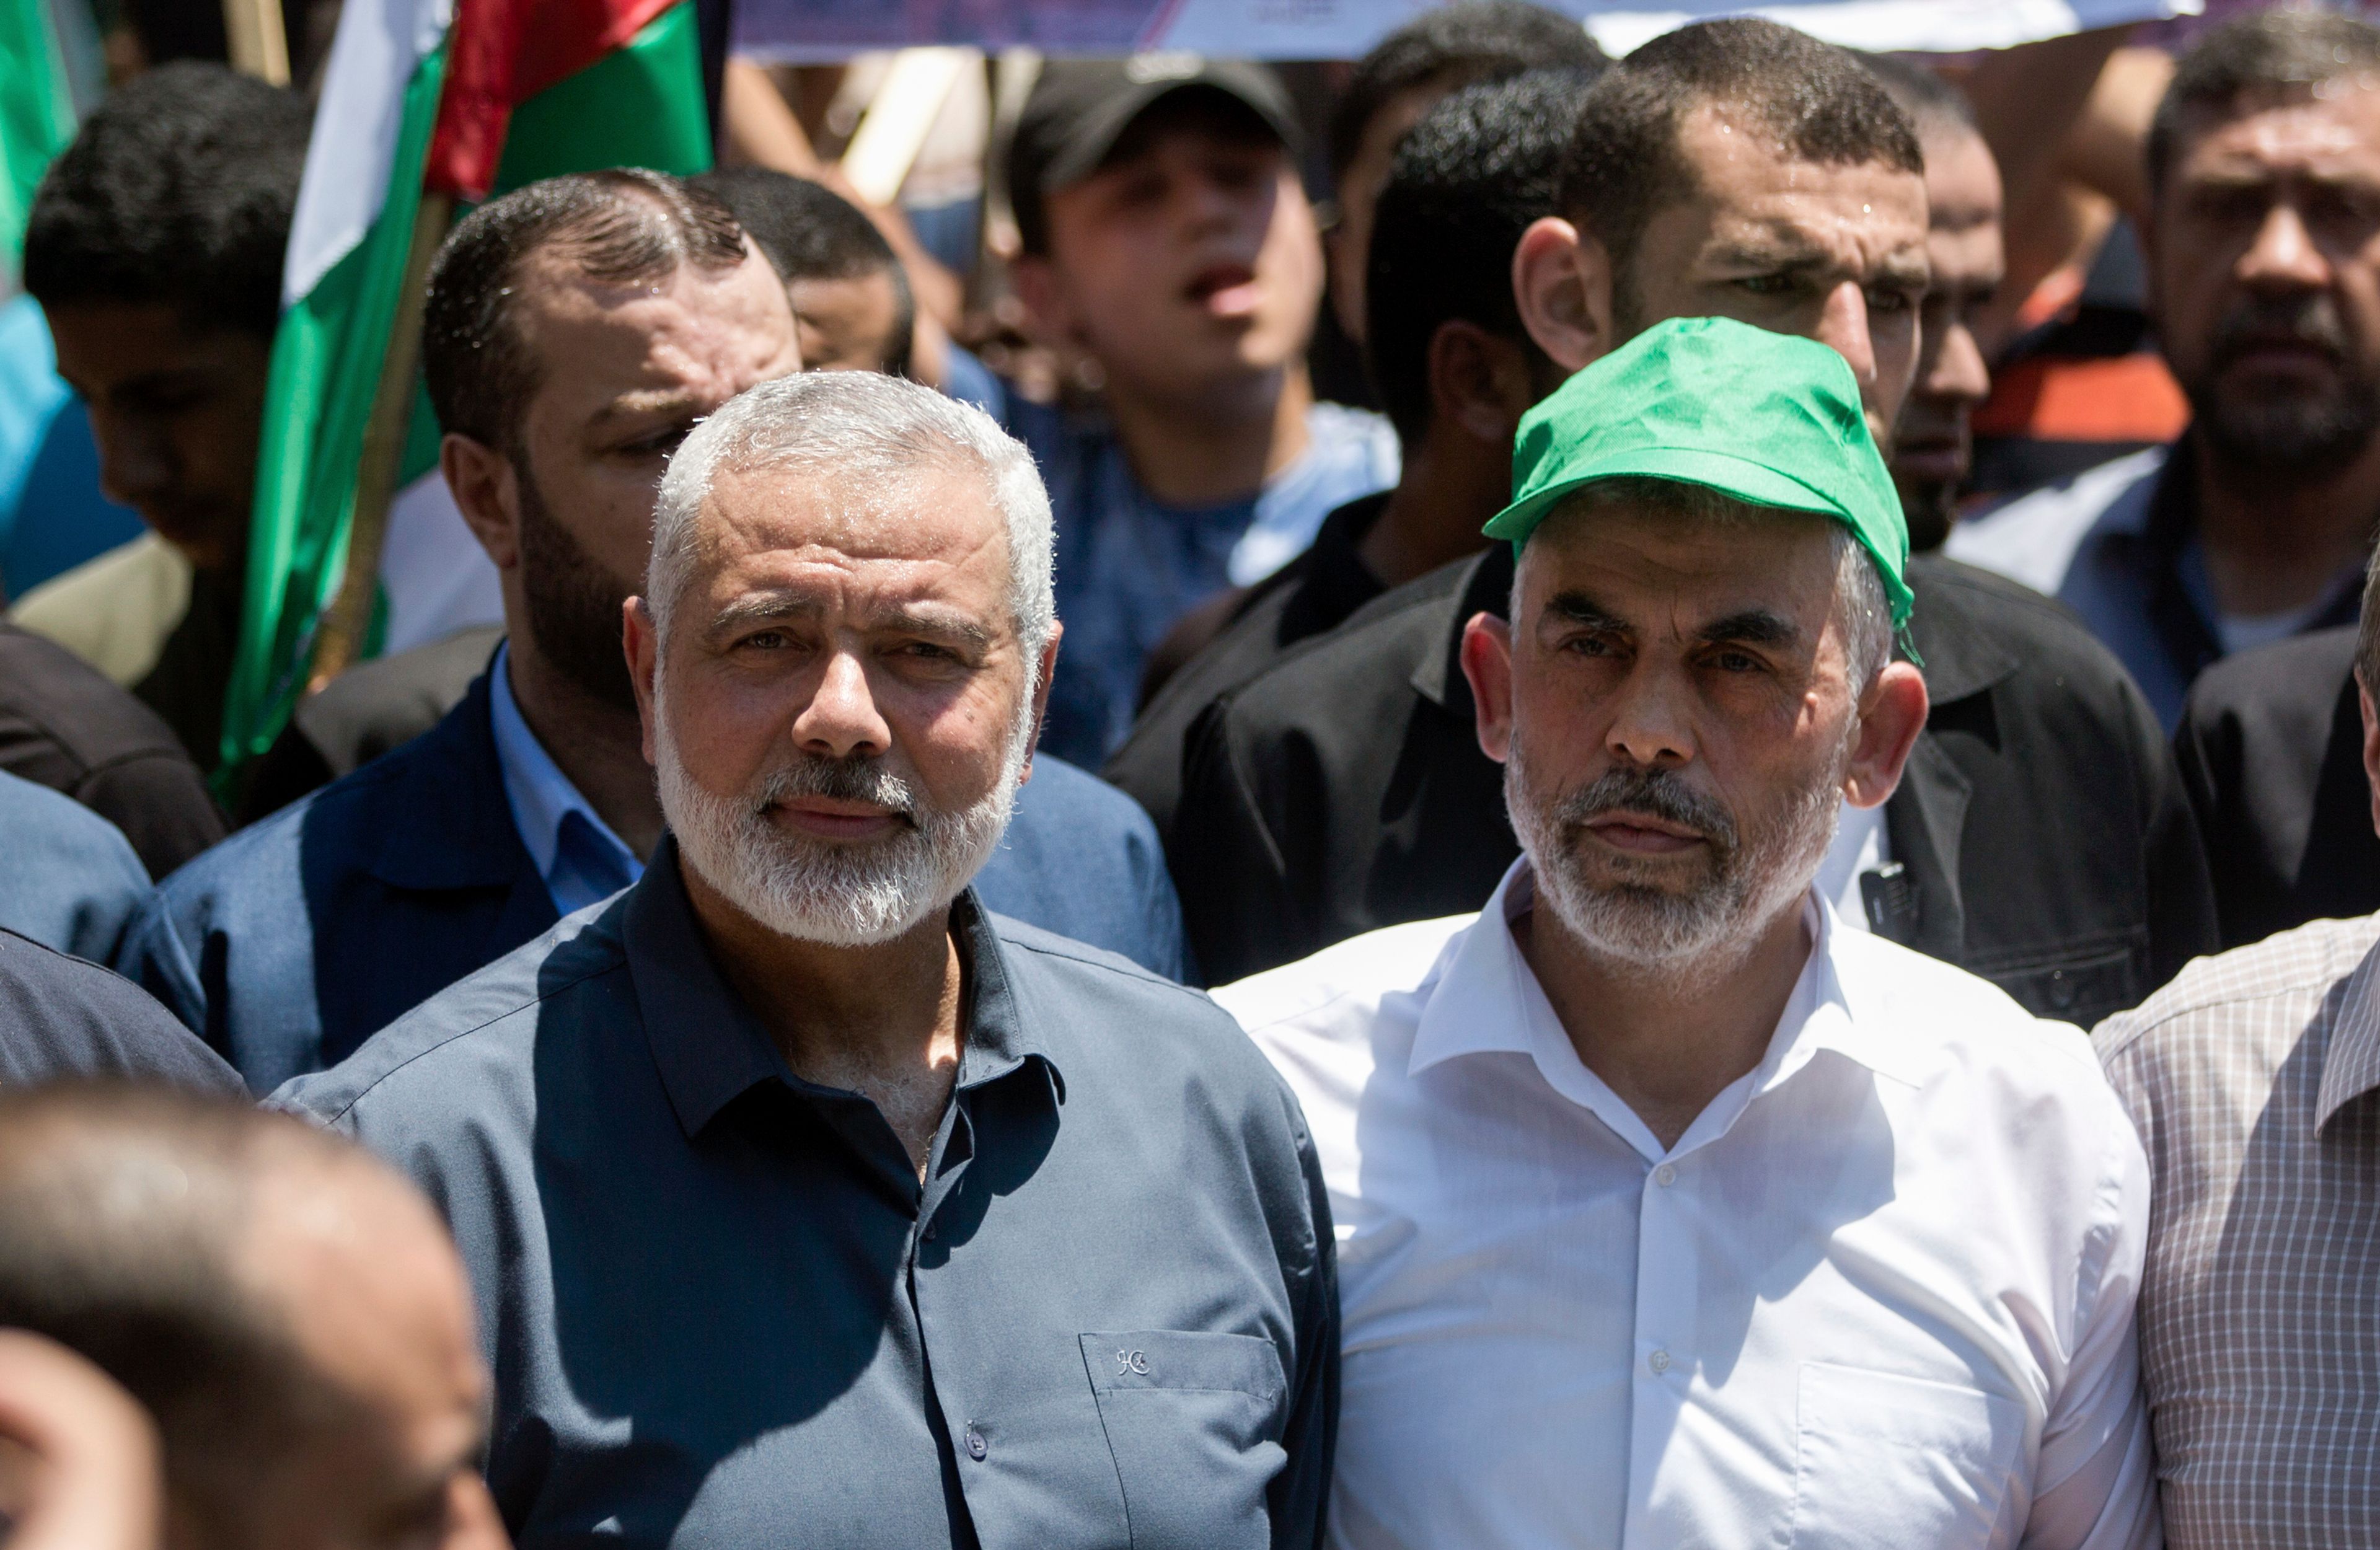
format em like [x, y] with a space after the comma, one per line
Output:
[421, 98]
[37, 116]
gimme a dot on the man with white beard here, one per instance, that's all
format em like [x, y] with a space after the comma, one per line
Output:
[805, 1202]
[1671, 1212]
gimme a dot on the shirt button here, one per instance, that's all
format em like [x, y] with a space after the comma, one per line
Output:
[1658, 1361]
[929, 1234]
[977, 1448]
[1665, 1176]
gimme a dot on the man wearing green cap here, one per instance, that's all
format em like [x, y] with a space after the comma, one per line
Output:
[1671, 1212]
[2042, 837]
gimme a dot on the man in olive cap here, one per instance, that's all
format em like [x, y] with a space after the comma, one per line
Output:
[1670, 1211]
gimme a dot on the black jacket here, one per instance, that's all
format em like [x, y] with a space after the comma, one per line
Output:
[64, 726]
[2271, 749]
[1313, 593]
[2041, 828]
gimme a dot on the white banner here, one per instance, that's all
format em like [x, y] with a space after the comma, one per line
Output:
[828, 30]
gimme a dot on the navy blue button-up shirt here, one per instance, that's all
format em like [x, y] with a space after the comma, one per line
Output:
[722, 1311]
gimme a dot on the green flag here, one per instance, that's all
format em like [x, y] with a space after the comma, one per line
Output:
[626, 91]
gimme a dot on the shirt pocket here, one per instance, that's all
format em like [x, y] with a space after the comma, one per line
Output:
[1886, 1461]
[1194, 1420]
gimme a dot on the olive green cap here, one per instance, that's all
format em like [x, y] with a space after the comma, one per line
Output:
[1772, 419]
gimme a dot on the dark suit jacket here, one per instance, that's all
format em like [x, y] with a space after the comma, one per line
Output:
[288, 945]
[2270, 747]
[2043, 835]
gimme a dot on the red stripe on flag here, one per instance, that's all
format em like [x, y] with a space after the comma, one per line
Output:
[501, 53]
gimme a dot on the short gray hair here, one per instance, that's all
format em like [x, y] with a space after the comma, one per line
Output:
[863, 427]
[1861, 607]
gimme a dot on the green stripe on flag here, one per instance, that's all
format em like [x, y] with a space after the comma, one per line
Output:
[641, 105]
[326, 364]
[36, 115]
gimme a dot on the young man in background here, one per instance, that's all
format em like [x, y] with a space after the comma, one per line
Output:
[1169, 244]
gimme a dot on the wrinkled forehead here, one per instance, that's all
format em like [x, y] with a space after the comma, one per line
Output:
[1755, 186]
[2326, 128]
[1661, 571]
[930, 526]
[713, 332]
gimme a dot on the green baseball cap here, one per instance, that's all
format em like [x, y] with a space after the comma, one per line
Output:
[1773, 419]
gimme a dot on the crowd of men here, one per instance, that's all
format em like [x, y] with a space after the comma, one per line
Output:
[1748, 1002]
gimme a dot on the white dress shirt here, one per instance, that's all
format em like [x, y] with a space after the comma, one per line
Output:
[1879, 1294]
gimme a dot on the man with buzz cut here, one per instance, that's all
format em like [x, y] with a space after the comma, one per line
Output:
[1670, 1211]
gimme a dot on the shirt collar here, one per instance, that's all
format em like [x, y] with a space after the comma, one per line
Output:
[542, 799]
[1487, 587]
[2350, 1067]
[710, 1048]
[1486, 1000]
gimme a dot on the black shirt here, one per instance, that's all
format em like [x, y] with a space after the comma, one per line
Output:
[2271, 746]
[193, 669]
[2040, 829]
[64, 726]
[722, 1311]
[1313, 593]
[62, 1017]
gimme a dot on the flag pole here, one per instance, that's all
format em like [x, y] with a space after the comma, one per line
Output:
[259, 46]
[339, 642]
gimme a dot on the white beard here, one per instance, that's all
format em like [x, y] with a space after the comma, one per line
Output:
[817, 891]
[1684, 938]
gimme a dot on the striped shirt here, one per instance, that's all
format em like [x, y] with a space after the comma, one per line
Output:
[2252, 1080]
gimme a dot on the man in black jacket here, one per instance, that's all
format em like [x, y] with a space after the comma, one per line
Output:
[2040, 838]
[63, 725]
[2271, 746]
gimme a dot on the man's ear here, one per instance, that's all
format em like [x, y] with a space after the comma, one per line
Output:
[1488, 663]
[487, 489]
[1041, 697]
[1891, 715]
[1477, 380]
[1039, 287]
[1562, 283]
[642, 643]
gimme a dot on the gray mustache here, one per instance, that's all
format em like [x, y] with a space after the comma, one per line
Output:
[846, 780]
[1661, 796]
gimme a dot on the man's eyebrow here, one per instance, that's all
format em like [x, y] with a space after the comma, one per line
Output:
[648, 402]
[761, 607]
[947, 625]
[754, 608]
[1752, 626]
[1580, 609]
[1776, 253]
[1910, 267]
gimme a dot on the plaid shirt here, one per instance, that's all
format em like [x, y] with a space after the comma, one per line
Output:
[2251, 1078]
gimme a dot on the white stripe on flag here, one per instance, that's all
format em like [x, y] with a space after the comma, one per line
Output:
[436, 576]
[380, 45]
